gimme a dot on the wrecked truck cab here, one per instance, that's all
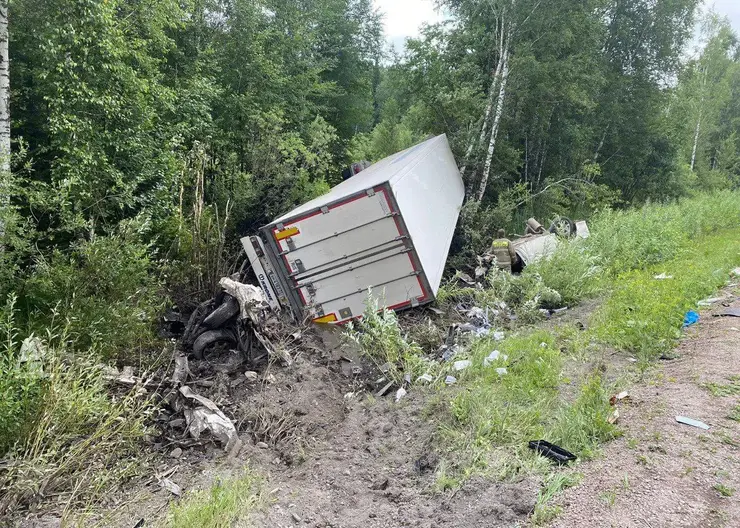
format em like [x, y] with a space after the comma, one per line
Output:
[387, 230]
[531, 248]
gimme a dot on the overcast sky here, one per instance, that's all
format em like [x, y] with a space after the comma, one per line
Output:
[404, 17]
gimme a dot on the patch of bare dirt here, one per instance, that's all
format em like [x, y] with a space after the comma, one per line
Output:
[662, 473]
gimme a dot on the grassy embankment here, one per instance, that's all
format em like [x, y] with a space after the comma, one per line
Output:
[487, 420]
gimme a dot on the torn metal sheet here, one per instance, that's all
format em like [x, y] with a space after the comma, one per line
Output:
[209, 417]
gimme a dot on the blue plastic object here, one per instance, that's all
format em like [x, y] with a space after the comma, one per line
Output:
[691, 318]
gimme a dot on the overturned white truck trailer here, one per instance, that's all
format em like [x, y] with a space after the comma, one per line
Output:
[387, 230]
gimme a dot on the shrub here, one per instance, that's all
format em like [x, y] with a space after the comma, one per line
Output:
[104, 292]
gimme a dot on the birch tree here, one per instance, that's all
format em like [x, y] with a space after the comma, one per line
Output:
[4, 114]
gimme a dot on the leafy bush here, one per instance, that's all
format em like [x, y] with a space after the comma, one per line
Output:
[104, 292]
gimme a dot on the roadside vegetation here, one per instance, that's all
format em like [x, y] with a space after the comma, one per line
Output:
[147, 137]
[531, 390]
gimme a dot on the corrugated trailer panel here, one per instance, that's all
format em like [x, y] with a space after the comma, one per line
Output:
[329, 251]
[430, 196]
[332, 255]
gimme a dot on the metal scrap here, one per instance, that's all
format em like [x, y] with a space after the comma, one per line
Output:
[691, 422]
[208, 417]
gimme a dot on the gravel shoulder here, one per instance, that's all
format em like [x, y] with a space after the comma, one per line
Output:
[662, 473]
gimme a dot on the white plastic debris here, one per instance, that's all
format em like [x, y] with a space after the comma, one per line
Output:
[543, 345]
[450, 380]
[32, 353]
[426, 378]
[494, 356]
[663, 276]
[462, 365]
[209, 417]
[501, 371]
[692, 422]
[498, 336]
[251, 298]
[735, 272]
[710, 301]
[400, 394]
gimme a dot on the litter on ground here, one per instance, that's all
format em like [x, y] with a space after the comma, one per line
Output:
[691, 422]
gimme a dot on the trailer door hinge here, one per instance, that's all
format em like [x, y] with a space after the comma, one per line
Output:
[325, 210]
[371, 192]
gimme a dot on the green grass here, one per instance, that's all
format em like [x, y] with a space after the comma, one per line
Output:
[723, 490]
[554, 484]
[490, 417]
[724, 389]
[735, 413]
[227, 502]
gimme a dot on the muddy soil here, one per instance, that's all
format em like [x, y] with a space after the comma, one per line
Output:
[662, 473]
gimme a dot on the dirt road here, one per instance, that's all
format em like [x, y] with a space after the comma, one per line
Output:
[662, 473]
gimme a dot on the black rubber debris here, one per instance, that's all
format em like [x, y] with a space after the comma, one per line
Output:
[551, 451]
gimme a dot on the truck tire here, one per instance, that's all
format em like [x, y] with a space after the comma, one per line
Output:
[563, 226]
[211, 337]
[218, 317]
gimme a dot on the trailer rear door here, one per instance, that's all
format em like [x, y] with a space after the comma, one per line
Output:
[330, 255]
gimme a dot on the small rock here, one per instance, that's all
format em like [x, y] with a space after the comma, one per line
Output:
[295, 516]
[177, 422]
[261, 445]
[347, 472]
[251, 375]
[176, 453]
[400, 394]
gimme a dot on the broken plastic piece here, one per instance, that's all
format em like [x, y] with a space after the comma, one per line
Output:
[663, 276]
[462, 365]
[450, 380]
[400, 394]
[691, 422]
[209, 417]
[691, 318]
[498, 336]
[501, 371]
[551, 451]
[494, 356]
[427, 378]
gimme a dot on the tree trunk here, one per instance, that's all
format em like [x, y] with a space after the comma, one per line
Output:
[696, 144]
[489, 106]
[496, 124]
[4, 114]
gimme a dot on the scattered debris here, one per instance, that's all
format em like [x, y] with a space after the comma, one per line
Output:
[551, 451]
[295, 516]
[462, 365]
[182, 371]
[691, 422]
[691, 318]
[251, 375]
[450, 380]
[261, 445]
[663, 276]
[32, 352]
[176, 453]
[731, 312]
[494, 356]
[209, 417]
[400, 394]
[436, 311]
[385, 389]
[619, 397]
[501, 371]
[426, 378]
[170, 486]
[467, 279]
[613, 417]
[735, 272]
[710, 301]
[498, 336]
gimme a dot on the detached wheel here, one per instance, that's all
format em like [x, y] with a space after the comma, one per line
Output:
[212, 338]
[563, 226]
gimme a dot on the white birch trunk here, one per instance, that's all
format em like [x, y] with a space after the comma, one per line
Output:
[696, 144]
[489, 105]
[4, 114]
[496, 124]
